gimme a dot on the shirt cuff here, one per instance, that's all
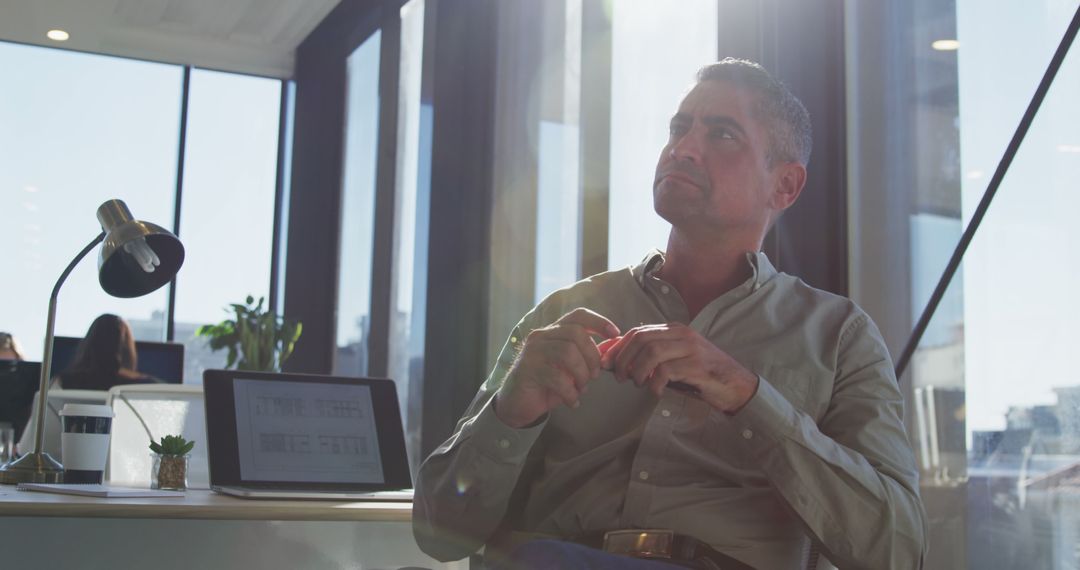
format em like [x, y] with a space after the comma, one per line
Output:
[765, 420]
[496, 440]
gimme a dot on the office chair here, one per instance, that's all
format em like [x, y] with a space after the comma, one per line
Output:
[148, 412]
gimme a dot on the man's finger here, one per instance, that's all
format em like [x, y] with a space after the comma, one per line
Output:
[604, 346]
[673, 374]
[633, 342]
[618, 356]
[563, 386]
[591, 321]
[573, 365]
[577, 336]
[655, 353]
[611, 355]
[609, 351]
[660, 378]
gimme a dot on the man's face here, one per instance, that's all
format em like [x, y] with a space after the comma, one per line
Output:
[713, 174]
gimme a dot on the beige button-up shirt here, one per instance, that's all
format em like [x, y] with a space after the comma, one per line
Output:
[819, 452]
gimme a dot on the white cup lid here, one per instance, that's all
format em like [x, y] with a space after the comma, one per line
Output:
[92, 410]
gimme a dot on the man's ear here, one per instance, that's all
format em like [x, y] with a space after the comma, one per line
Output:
[790, 177]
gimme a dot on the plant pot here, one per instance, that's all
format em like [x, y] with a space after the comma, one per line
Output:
[169, 472]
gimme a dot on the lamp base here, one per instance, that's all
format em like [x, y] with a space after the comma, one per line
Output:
[37, 467]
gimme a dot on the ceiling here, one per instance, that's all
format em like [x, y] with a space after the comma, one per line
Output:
[259, 37]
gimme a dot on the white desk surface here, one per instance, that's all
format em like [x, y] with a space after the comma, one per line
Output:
[196, 504]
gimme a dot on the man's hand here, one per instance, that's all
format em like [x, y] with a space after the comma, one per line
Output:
[553, 368]
[656, 355]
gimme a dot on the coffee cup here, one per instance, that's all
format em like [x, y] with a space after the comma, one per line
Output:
[84, 443]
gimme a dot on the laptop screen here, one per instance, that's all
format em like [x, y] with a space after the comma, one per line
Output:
[300, 431]
[304, 431]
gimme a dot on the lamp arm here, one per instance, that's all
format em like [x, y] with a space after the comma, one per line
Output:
[46, 361]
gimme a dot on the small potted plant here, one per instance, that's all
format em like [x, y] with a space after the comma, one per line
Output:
[169, 469]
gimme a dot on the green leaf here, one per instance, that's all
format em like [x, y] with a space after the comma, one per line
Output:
[257, 339]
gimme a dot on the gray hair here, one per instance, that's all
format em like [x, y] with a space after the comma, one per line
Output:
[785, 117]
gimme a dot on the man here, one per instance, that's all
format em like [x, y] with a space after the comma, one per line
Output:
[736, 409]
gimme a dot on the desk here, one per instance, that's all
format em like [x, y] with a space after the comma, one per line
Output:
[205, 530]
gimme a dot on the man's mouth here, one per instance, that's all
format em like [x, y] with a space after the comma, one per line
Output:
[682, 178]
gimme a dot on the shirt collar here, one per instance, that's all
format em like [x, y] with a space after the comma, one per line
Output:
[760, 265]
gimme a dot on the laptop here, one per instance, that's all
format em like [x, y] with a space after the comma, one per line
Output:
[162, 360]
[305, 436]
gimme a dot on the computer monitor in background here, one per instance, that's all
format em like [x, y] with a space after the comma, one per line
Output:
[162, 360]
[19, 381]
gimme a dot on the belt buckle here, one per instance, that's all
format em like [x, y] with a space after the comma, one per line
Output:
[640, 543]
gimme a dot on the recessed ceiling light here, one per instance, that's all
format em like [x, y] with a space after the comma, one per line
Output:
[1069, 148]
[945, 45]
[57, 35]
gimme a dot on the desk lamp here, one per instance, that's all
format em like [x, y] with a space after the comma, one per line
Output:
[136, 258]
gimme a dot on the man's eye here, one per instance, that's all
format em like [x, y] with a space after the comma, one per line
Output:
[676, 130]
[722, 134]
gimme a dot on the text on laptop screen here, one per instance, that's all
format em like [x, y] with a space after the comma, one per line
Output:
[306, 432]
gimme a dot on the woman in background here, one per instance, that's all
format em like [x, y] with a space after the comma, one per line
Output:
[9, 348]
[105, 358]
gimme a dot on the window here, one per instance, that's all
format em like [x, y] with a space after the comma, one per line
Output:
[996, 403]
[406, 365]
[655, 40]
[357, 207]
[558, 189]
[539, 214]
[226, 219]
[77, 130]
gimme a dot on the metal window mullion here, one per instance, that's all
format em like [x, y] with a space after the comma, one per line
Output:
[595, 149]
[170, 316]
[279, 186]
[382, 259]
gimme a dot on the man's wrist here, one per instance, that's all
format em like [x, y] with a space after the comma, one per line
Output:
[507, 416]
[745, 388]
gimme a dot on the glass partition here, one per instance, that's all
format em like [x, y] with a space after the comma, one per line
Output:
[227, 212]
[659, 41]
[994, 406]
[357, 209]
[76, 130]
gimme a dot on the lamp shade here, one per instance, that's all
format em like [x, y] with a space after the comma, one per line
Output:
[129, 245]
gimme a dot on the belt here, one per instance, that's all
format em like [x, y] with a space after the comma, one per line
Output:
[661, 544]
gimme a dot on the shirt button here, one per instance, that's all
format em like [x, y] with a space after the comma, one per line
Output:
[665, 289]
[665, 413]
[644, 475]
[747, 434]
[504, 443]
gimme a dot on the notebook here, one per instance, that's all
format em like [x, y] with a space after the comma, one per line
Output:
[95, 490]
[305, 436]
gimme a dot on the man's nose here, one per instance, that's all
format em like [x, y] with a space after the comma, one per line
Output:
[687, 147]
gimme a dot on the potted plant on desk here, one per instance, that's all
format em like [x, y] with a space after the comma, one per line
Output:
[169, 469]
